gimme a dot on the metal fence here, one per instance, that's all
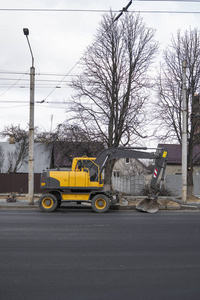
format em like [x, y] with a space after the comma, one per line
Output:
[15, 182]
[174, 184]
[129, 185]
[134, 185]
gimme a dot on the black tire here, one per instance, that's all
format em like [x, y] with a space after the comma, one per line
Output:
[59, 203]
[100, 203]
[48, 202]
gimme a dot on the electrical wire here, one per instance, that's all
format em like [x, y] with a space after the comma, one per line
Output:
[36, 80]
[37, 74]
[106, 11]
[167, 12]
[56, 10]
[168, 1]
[17, 106]
[12, 86]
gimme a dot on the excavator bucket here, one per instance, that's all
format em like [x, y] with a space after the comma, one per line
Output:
[148, 205]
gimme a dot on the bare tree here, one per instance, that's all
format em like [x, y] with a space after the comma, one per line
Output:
[69, 141]
[169, 92]
[73, 141]
[2, 156]
[18, 156]
[112, 90]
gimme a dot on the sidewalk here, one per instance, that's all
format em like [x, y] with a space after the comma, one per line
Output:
[165, 203]
[19, 204]
[126, 203]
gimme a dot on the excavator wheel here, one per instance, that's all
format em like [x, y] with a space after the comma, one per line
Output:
[100, 203]
[48, 202]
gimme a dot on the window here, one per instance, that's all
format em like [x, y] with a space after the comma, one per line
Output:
[127, 160]
[116, 173]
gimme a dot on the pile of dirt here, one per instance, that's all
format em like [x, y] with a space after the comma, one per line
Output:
[192, 199]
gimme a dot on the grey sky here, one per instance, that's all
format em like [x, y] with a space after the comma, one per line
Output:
[58, 40]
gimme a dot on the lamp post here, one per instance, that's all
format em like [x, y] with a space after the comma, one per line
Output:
[31, 126]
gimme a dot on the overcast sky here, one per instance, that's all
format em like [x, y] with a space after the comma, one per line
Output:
[58, 40]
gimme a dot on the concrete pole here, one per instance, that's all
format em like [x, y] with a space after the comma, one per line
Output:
[31, 126]
[31, 138]
[184, 137]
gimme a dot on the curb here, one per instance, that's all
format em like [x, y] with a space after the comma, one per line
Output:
[17, 207]
[13, 206]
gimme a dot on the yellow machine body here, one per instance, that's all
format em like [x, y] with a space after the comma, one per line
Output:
[77, 178]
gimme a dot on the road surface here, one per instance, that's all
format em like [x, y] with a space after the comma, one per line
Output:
[81, 255]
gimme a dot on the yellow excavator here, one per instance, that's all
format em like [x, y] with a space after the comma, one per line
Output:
[84, 183]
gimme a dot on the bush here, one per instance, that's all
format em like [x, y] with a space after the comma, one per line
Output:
[163, 191]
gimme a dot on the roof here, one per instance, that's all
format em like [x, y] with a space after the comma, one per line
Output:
[175, 153]
[42, 157]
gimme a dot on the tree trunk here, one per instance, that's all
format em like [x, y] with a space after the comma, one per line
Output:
[190, 190]
[108, 175]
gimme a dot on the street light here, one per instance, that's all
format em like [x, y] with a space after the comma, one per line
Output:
[31, 126]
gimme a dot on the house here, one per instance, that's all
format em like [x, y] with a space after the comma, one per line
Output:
[128, 167]
[196, 117]
[14, 166]
[14, 159]
[174, 160]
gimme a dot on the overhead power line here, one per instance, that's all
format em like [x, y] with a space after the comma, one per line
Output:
[38, 74]
[168, 1]
[125, 9]
[42, 80]
[107, 11]
[166, 12]
[56, 10]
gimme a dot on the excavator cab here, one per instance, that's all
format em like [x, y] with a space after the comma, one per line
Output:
[82, 163]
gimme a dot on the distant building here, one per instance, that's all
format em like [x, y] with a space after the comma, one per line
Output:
[10, 154]
[196, 116]
[174, 160]
[127, 167]
[64, 152]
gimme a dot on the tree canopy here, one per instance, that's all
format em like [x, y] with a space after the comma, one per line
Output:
[185, 46]
[112, 89]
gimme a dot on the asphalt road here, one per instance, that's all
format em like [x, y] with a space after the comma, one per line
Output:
[81, 255]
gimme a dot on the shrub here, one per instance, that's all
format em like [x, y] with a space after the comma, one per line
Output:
[163, 191]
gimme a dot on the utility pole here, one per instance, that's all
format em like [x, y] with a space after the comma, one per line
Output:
[184, 137]
[31, 126]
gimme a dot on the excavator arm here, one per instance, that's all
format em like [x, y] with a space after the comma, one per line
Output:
[160, 157]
